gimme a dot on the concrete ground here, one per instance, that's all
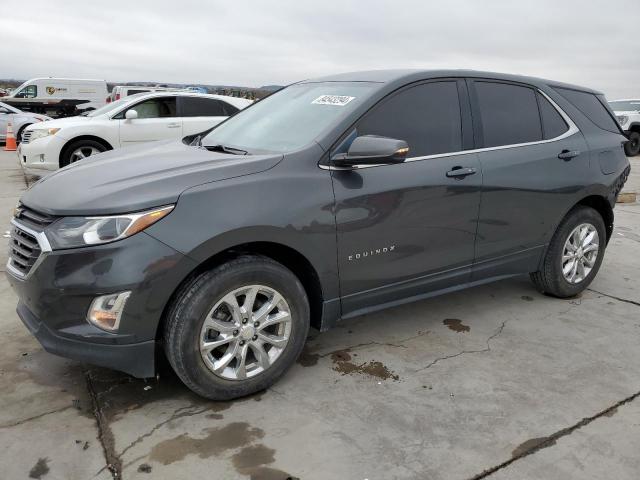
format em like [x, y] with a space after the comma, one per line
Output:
[493, 382]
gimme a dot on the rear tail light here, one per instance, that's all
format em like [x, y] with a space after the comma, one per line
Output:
[109, 99]
[117, 96]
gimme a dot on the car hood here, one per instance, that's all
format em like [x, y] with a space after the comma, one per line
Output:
[62, 122]
[136, 178]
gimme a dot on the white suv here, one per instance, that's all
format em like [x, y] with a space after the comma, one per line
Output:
[628, 114]
[132, 120]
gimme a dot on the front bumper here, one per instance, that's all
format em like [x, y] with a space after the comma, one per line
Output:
[137, 359]
[41, 156]
[56, 294]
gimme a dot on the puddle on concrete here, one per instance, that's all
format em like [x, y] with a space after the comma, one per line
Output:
[307, 358]
[216, 441]
[456, 325]
[531, 444]
[252, 460]
[40, 469]
[344, 365]
[527, 298]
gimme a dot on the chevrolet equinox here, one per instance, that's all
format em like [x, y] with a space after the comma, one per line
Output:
[329, 199]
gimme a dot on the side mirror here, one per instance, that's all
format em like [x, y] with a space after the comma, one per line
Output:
[372, 150]
[131, 114]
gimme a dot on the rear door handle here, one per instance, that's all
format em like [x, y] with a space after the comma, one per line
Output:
[568, 154]
[461, 172]
[173, 125]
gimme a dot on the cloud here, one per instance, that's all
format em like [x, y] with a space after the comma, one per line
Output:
[282, 41]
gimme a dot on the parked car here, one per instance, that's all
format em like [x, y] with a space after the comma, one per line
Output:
[628, 114]
[58, 97]
[329, 199]
[121, 91]
[132, 120]
[19, 120]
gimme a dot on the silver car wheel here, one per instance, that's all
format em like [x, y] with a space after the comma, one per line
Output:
[245, 332]
[580, 253]
[82, 152]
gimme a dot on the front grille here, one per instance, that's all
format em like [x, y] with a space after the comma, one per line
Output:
[24, 250]
[26, 136]
[32, 219]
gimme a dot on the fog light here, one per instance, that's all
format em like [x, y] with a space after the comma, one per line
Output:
[105, 311]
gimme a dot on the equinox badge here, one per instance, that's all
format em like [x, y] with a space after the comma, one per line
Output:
[371, 253]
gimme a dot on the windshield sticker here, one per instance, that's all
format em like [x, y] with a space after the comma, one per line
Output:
[336, 100]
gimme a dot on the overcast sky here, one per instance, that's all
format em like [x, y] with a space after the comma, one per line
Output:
[588, 42]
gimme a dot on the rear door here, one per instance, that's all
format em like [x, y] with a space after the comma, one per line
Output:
[157, 120]
[522, 134]
[409, 228]
[5, 118]
[200, 113]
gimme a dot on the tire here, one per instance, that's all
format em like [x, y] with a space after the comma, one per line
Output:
[551, 279]
[89, 147]
[19, 134]
[194, 304]
[632, 146]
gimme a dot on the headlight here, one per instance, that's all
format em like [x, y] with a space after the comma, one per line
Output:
[42, 132]
[70, 232]
[622, 119]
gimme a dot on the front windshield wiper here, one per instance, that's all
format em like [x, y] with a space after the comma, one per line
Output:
[224, 149]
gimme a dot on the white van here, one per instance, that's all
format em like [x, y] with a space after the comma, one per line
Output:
[59, 97]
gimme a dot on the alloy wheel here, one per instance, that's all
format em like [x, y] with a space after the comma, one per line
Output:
[580, 253]
[245, 332]
[82, 152]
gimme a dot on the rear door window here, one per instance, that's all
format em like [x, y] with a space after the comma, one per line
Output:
[508, 113]
[553, 125]
[426, 116]
[201, 107]
[592, 107]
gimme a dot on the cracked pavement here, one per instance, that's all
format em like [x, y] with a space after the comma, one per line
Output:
[494, 382]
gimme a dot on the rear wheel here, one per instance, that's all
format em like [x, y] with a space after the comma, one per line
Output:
[236, 329]
[80, 150]
[632, 147]
[574, 254]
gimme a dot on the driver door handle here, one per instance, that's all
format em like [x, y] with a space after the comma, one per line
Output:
[461, 172]
[173, 125]
[568, 154]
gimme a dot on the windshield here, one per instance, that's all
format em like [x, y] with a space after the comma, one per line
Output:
[107, 108]
[291, 118]
[625, 105]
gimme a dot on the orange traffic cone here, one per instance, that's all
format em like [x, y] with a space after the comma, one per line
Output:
[10, 142]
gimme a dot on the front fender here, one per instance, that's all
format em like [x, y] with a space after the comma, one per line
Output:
[287, 205]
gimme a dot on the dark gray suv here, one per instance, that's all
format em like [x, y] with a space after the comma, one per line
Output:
[332, 198]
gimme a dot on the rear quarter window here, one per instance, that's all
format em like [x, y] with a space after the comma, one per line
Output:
[592, 107]
[553, 125]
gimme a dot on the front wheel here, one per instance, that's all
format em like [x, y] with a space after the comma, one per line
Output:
[236, 329]
[80, 150]
[632, 146]
[574, 254]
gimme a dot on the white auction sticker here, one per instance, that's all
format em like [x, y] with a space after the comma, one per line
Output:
[337, 100]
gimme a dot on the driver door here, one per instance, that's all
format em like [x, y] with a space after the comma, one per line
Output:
[409, 228]
[157, 120]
